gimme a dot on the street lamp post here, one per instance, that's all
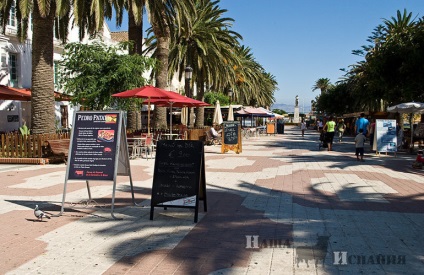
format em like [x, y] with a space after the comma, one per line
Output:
[188, 75]
[230, 94]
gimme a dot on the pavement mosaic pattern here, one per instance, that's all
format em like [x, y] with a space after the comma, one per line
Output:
[282, 206]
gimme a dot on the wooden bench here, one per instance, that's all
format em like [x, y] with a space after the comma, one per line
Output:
[56, 150]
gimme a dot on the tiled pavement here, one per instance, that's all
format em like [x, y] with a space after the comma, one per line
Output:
[308, 211]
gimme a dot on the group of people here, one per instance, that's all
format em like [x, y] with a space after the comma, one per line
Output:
[364, 129]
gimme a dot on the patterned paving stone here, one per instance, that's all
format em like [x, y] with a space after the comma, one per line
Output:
[282, 206]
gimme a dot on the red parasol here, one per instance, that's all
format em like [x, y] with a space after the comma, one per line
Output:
[178, 100]
[148, 92]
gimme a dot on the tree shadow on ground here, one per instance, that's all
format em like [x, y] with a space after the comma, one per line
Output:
[218, 240]
[343, 155]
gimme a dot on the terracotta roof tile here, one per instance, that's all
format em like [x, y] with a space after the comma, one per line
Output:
[119, 36]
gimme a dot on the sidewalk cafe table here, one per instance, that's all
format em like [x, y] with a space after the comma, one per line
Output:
[136, 143]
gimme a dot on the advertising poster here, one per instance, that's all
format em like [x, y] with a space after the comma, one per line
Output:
[386, 135]
[94, 146]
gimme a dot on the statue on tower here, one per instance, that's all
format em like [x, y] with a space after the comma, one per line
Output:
[297, 101]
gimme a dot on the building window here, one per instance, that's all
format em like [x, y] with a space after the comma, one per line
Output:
[3, 64]
[13, 69]
[12, 17]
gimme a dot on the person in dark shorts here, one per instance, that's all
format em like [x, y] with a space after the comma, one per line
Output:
[359, 144]
[330, 128]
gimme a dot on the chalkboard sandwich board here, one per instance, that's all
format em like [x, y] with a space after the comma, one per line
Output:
[179, 175]
[231, 137]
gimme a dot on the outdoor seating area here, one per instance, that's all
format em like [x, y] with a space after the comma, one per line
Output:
[142, 144]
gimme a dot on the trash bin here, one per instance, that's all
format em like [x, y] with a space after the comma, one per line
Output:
[270, 128]
[280, 127]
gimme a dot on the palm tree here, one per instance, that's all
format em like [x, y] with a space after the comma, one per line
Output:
[323, 84]
[218, 61]
[254, 85]
[401, 25]
[49, 16]
[163, 15]
[43, 20]
[135, 10]
[204, 42]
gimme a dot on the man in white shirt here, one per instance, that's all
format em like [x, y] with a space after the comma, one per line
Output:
[214, 133]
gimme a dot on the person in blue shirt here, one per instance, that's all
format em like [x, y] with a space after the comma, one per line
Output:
[362, 123]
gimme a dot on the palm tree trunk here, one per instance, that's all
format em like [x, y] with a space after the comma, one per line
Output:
[200, 111]
[42, 99]
[135, 34]
[163, 42]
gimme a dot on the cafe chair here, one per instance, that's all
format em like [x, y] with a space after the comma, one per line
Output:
[149, 148]
[135, 149]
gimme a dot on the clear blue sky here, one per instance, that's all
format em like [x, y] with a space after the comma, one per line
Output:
[300, 41]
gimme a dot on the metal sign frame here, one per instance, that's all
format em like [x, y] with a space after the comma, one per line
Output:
[118, 155]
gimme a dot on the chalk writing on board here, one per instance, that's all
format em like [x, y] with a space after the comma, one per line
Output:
[231, 132]
[177, 170]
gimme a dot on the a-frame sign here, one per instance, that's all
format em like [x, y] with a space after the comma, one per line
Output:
[179, 176]
[98, 151]
[231, 137]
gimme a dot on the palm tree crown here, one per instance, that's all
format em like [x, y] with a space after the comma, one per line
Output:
[323, 84]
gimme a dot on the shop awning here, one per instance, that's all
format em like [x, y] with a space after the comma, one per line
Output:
[24, 94]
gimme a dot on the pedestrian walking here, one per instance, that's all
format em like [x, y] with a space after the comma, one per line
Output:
[341, 127]
[359, 145]
[362, 123]
[320, 125]
[303, 127]
[329, 128]
[371, 131]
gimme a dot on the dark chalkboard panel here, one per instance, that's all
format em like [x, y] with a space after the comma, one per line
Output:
[231, 132]
[231, 137]
[179, 175]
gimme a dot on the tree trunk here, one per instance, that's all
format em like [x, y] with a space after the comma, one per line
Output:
[161, 76]
[135, 34]
[134, 117]
[42, 91]
[200, 111]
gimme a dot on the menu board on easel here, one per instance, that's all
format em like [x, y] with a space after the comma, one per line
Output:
[231, 137]
[179, 175]
[94, 146]
[98, 149]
